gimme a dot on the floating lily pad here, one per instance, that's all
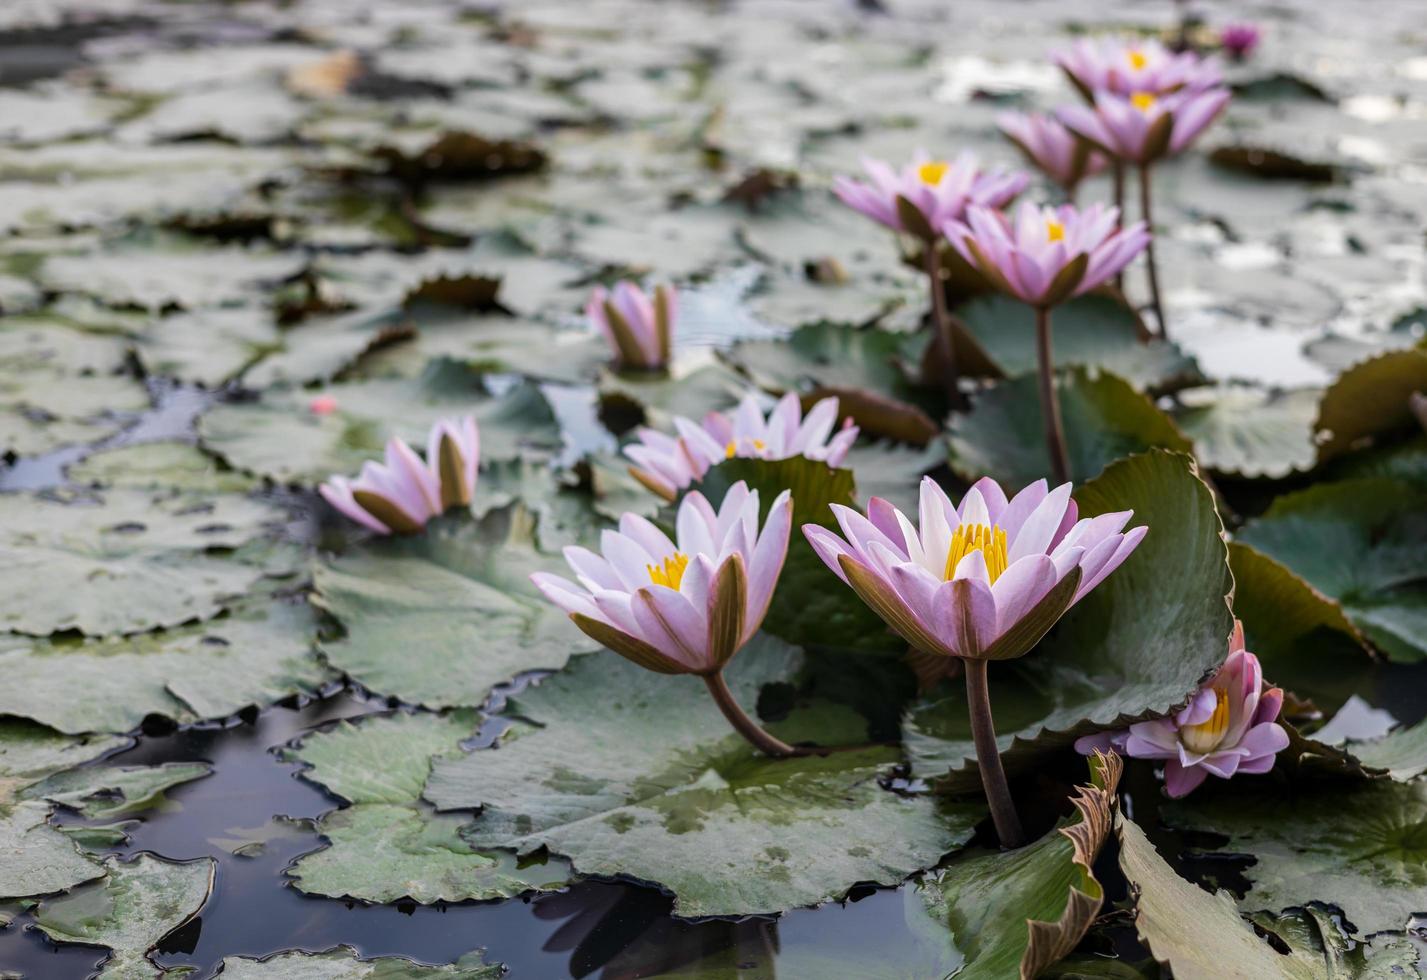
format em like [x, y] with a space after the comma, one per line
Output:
[1200, 935]
[343, 963]
[565, 510]
[31, 752]
[1402, 754]
[130, 910]
[110, 792]
[388, 845]
[1138, 645]
[261, 652]
[690, 393]
[1373, 866]
[1003, 436]
[1362, 543]
[158, 466]
[1250, 432]
[129, 561]
[281, 438]
[1370, 399]
[440, 617]
[637, 774]
[207, 346]
[39, 860]
[1088, 331]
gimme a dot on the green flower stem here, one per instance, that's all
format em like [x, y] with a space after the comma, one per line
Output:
[1117, 170]
[1050, 400]
[1149, 251]
[744, 725]
[988, 758]
[941, 323]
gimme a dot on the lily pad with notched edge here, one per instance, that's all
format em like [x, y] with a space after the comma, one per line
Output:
[1250, 432]
[110, 792]
[342, 963]
[30, 752]
[1135, 647]
[439, 618]
[1003, 436]
[388, 845]
[1370, 400]
[637, 774]
[157, 466]
[39, 860]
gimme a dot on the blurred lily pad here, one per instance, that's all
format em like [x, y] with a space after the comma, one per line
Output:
[159, 466]
[1370, 399]
[1250, 432]
[345, 963]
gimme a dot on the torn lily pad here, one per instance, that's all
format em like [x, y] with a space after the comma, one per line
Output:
[344, 963]
[636, 774]
[111, 792]
[30, 752]
[388, 845]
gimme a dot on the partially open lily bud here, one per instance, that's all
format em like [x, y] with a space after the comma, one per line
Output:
[925, 193]
[1230, 726]
[1142, 127]
[1125, 65]
[682, 607]
[405, 492]
[640, 330]
[1061, 155]
[982, 581]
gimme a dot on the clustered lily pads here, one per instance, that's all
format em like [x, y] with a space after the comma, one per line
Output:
[743, 558]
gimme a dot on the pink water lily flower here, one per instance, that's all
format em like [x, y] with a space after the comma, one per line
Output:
[685, 606]
[1228, 727]
[1064, 157]
[1122, 66]
[639, 329]
[1046, 255]
[937, 190]
[667, 464]
[1143, 127]
[406, 492]
[984, 580]
[1240, 40]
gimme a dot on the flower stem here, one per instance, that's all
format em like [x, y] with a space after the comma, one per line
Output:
[1050, 401]
[988, 759]
[1117, 169]
[940, 322]
[1149, 251]
[744, 725]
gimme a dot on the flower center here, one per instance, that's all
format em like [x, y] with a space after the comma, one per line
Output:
[731, 450]
[1143, 101]
[990, 541]
[1205, 736]
[671, 573]
[933, 172]
[1138, 59]
[1054, 231]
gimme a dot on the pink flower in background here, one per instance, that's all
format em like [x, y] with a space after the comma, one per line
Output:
[1143, 127]
[1229, 727]
[666, 464]
[639, 329]
[406, 492]
[1046, 255]
[1064, 157]
[937, 190]
[1240, 40]
[685, 607]
[1125, 65]
[984, 580]
[322, 405]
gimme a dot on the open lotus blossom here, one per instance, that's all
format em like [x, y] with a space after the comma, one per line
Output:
[1240, 40]
[1143, 127]
[1123, 66]
[1064, 157]
[1046, 255]
[639, 329]
[685, 606]
[404, 493]
[1229, 727]
[937, 190]
[666, 464]
[983, 580]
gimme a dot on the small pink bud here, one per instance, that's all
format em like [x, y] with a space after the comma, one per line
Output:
[322, 405]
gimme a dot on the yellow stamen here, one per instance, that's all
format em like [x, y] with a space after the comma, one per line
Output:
[671, 573]
[731, 449]
[990, 541]
[933, 172]
[1206, 736]
[1054, 231]
[1143, 101]
[1138, 59]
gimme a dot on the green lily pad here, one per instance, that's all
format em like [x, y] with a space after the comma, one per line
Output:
[157, 466]
[1372, 866]
[128, 561]
[130, 910]
[388, 845]
[39, 860]
[1370, 400]
[259, 653]
[30, 752]
[637, 774]
[207, 346]
[440, 617]
[689, 391]
[1015, 913]
[279, 437]
[342, 963]
[1003, 435]
[1362, 543]
[565, 510]
[111, 792]
[1250, 432]
[1405, 461]
[1089, 331]
[1200, 935]
[1136, 647]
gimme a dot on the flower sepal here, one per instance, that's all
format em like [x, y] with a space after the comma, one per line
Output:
[914, 221]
